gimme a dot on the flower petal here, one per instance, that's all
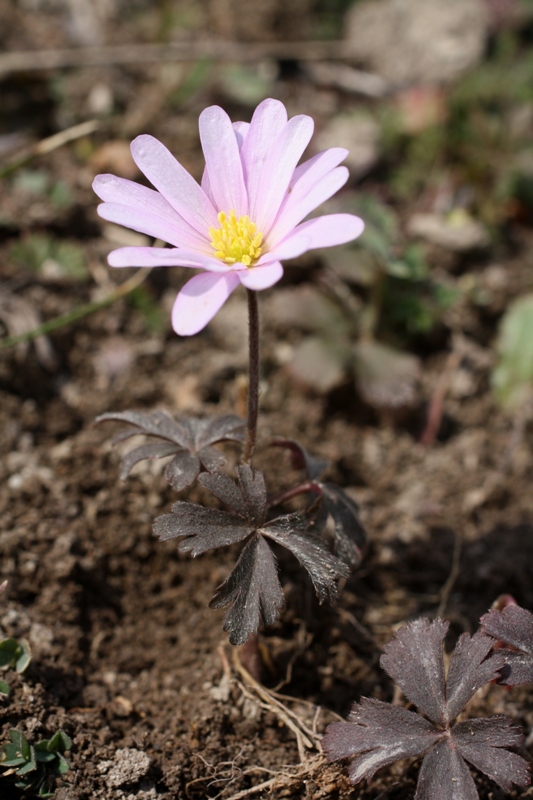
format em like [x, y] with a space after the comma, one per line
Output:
[240, 129]
[304, 199]
[316, 167]
[132, 195]
[223, 162]
[278, 170]
[291, 247]
[200, 299]
[268, 121]
[163, 257]
[328, 231]
[141, 221]
[174, 182]
[261, 277]
[241, 132]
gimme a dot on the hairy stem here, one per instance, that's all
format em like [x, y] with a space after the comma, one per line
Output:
[253, 375]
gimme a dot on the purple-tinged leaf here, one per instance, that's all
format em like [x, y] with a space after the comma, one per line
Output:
[156, 423]
[252, 589]
[445, 776]
[518, 668]
[189, 438]
[324, 568]
[145, 451]
[380, 734]
[182, 471]
[205, 528]
[469, 670]
[350, 536]
[227, 428]
[414, 660]
[480, 742]
[247, 498]
[301, 459]
[211, 458]
[513, 626]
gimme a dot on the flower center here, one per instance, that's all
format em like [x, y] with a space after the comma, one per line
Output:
[236, 241]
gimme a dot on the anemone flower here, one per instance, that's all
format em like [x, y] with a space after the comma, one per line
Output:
[244, 219]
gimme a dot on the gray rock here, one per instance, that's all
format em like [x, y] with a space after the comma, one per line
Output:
[129, 766]
[418, 41]
[457, 232]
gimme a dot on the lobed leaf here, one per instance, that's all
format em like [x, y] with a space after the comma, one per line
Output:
[470, 669]
[350, 535]
[252, 590]
[445, 776]
[155, 423]
[189, 439]
[145, 451]
[513, 625]
[218, 429]
[380, 734]
[414, 660]
[204, 528]
[248, 497]
[302, 459]
[323, 568]
[182, 470]
[480, 742]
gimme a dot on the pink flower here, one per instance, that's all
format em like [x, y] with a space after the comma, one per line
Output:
[244, 218]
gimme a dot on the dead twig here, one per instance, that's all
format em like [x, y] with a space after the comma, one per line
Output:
[51, 143]
[78, 313]
[283, 780]
[305, 737]
[218, 50]
[452, 577]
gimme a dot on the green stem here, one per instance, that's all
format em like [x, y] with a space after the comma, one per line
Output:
[78, 313]
[253, 375]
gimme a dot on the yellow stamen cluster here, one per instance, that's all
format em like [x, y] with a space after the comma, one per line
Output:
[236, 241]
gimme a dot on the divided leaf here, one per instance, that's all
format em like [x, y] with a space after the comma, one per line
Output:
[302, 459]
[324, 568]
[470, 669]
[350, 537]
[414, 660]
[252, 589]
[481, 743]
[514, 627]
[445, 776]
[204, 528]
[189, 439]
[379, 733]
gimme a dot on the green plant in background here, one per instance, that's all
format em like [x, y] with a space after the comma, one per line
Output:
[155, 319]
[481, 142]
[50, 257]
[13, 655]
[36, 765]
[38, 182]
[348, 337]
[512, 378]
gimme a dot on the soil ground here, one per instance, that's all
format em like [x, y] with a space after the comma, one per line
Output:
[127, 657]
